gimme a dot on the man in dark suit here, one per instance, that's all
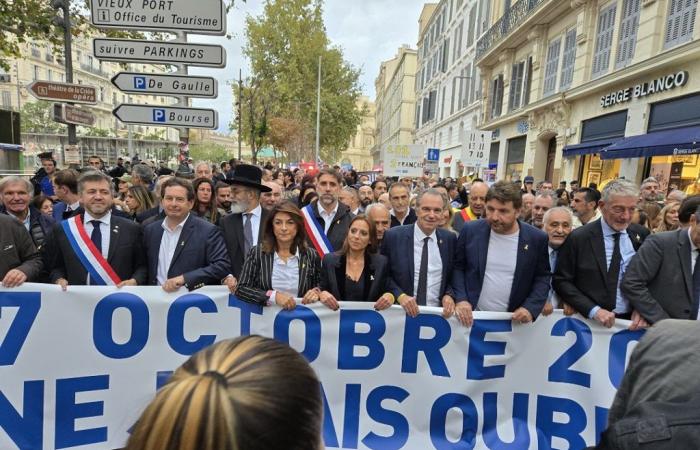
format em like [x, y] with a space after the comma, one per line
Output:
[663, 278]
[243, 228]
[17, 193]
[594, 258]
[182, 249]
[501, 263]
[333, 216]
[400, 199]
[66, 188]
[117, 240]
[19, 259]
[420, 258]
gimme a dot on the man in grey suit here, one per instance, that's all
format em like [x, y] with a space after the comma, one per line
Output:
[663, 278]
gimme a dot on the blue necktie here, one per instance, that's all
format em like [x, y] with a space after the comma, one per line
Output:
[696, 289]
[96, 236]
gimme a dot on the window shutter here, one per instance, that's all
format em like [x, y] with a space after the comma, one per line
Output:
[603, 45]
[466, 98]
[569, 60]
[550, 75]
[454, 95]
[527, 81]
[680, 22]
[516, 86]
[628, 32]
[472, 27]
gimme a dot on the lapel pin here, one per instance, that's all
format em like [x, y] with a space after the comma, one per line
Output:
[371, 278]
[526, 247]
[182, 244]
[638, 238]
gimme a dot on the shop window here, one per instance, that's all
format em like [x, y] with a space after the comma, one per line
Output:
[604, 38]
[568, 60]
[598, 171]
[676, 113]
[515, 158]
[493, 154]
[675, 172]
[680, 22]
[629, 24]
[604, 127]
[551, 68]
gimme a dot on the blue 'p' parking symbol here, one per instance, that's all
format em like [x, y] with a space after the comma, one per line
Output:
[159, 115]
[140, 83]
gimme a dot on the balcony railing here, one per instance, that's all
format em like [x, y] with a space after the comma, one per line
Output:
[513, 17]
[94, 70]
[36, 53]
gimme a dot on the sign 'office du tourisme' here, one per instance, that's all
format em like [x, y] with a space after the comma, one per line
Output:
[199, 17]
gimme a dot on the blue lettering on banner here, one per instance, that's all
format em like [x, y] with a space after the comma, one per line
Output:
[393, 419]
[67, 411]
[351, 420]
[26, 430]
[479, 348]
[176, 323]
[560, 371]
[159, 115]
[102, 325]
[140, 83]
[246, 310]
[413, 344]
[28, 305]
[162, 377]
[519, 420]
[617, 354]
[330, 438]
[547, 428]
[312, 330]
[438, 422]
[349, 338]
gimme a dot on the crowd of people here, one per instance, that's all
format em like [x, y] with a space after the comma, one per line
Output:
[273, 236]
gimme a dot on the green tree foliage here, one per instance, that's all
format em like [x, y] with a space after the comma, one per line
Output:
[37, 117]
[284, 44]
[209, 152]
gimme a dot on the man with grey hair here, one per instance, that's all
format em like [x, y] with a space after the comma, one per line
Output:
[649, 190]
[17, 194]
[557, 223]
[594, 258]
[203, 170]
[142, 174]
[544, 201]
[675, 196]
[350, 198]
[379, 215]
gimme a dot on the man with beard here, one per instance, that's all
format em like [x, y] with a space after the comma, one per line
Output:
[269, 200]
[366, 196]
[243, 228]
[378, 188]
[379, 215]
[327, 220]
[475, 210]
[584, 203]
[501, 264]
[223, 198]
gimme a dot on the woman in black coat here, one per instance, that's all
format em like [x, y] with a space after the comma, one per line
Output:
[356, 273]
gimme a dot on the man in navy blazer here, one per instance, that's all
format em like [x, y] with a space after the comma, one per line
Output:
[501, 263]
[182, 249]
[420, 258]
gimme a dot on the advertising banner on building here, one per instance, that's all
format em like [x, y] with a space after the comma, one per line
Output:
[78, 367]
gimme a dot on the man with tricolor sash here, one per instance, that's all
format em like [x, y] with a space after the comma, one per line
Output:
[475, 210]
[327, 220]
[96, 247]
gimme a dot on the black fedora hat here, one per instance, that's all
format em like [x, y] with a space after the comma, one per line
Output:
[248, 175]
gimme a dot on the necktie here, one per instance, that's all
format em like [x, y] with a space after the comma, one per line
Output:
[67, 213]
[96, 236]
[422, 293]
[614, 272]
[696, 289]
[248, 233]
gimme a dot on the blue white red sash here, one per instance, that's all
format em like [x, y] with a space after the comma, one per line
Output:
[316, 232]
[101, 273]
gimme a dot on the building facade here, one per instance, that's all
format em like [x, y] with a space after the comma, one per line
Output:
[358, 154]
[108, 138]
[593, 90]
[395, 102]
[448, 90]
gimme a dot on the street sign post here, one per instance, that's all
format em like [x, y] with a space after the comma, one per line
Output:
[193, 16]
[156, 84]
[167, 116]
[159, 52]
[63, 92]
[69, 114]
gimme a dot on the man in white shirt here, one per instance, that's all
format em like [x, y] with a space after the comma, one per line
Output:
[400, 199]
[329, 213]
[66, 189]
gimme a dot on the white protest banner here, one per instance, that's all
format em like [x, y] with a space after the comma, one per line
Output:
[403, 160]
[476, 149]
[77, 368]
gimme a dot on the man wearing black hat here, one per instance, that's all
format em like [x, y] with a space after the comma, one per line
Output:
[242, 228]
[527, 185]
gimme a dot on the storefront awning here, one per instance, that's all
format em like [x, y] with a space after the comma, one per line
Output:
[679, 142]
[586, 148]
[12, 147]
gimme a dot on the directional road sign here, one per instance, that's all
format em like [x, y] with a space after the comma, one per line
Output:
[69, 114]
[167, 116]
[63, 92]
[156, 84]
[159, 52]
[195, 16]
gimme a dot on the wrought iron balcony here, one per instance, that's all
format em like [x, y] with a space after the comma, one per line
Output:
[513, 17]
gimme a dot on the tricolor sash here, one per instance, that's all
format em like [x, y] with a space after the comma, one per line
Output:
[101, 273]
[316, 232]
[465, 215]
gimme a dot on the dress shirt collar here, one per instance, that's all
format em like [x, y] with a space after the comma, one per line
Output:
[74, 206]
[418, 234]
[693, 247]
[279, 260]
[608, 231]
[322, 211]
[179, 225]
[106, 219]
[256, 212]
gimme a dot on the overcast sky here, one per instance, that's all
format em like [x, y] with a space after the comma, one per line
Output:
[368, 31]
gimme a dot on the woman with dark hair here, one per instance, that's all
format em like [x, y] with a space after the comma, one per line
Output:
[304, 195]
[563, 197]
[356, 273]
[204, 202]
[138, 200]
[226, 397]
[282, 267]
[43, 204]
